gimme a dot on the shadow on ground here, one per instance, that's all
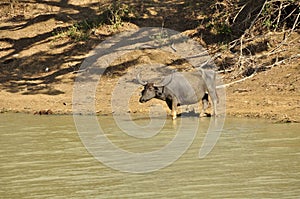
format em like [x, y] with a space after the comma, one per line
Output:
[31, 53]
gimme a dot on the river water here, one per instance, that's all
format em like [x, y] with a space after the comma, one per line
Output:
[44, 157]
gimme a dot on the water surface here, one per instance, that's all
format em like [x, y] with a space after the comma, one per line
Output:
[43, 157]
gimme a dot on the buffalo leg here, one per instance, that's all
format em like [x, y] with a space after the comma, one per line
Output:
[169, 103]
[204, 105]
[214, 98]
[212, 91]
[174, 108]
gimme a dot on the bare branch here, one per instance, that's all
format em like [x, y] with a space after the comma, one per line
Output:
[239, 12]
[255, 72]
[240, 80]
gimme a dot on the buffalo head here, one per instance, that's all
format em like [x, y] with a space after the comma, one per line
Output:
[153, 90]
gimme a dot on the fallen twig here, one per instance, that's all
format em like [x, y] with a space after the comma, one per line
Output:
[237, 81]
[239, 12]
[225, 71]
[247, 31]
[282, 61]
[209, 60]
[255, 72]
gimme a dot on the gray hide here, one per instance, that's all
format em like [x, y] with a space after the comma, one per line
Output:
[182, 89]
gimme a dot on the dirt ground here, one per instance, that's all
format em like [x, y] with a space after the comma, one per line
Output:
[39, 64]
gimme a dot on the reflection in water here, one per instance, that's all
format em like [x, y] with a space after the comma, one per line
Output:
[43, 156]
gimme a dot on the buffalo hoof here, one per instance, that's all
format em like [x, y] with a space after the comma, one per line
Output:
[204, 115]
[174, 115]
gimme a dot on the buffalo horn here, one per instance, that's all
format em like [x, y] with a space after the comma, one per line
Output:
[138, 78]
[165, 81]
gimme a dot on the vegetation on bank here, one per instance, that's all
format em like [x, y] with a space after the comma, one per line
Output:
[234, 26]
[228, 20]
[226, 26]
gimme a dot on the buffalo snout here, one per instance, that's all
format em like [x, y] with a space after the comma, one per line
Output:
[142, 100]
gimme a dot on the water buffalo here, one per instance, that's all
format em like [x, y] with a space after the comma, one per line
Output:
[182, 89]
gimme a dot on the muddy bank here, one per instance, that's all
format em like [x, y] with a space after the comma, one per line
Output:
[42, 48]
[263, 96]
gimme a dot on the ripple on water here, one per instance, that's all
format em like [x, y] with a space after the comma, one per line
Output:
[44, 157]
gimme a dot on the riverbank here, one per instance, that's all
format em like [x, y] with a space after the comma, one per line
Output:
[44, 44]
[265, 95]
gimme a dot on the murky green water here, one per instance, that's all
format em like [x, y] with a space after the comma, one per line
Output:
[43, 157]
